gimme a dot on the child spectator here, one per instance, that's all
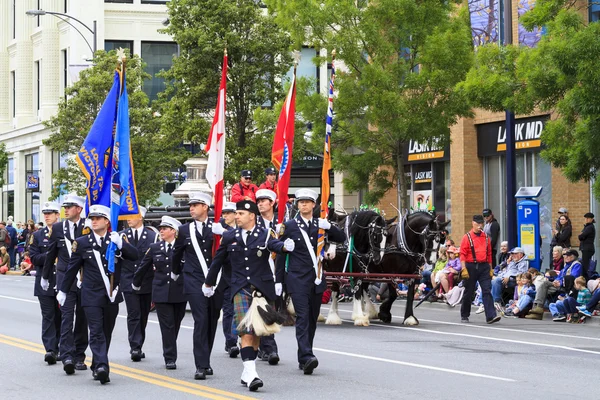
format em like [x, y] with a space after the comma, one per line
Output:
[588, 308]
[4, 260]
[451, 270]
[563, 310]
[439, 265]
[26, 264]
[524, 295]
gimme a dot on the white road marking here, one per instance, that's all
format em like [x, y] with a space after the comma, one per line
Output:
[409, 364]
[19, 299]
[493, 328]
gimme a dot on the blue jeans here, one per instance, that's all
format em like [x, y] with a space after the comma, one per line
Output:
[498, 288]
[557, 308]
[426, 278]
[524, 301]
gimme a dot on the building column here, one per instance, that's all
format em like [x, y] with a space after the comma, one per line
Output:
[45, 173]
[50, 62]
[5, 39]
[24, 109]
[466, 170]
[20, 186]
[343, 199]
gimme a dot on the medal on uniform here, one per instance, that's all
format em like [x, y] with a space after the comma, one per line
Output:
[259, 253]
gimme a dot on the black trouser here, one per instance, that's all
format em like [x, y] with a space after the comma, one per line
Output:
[206, 311]
[73, 342]
[138, 308]
[268, 344]
[101, 321]
[307, 306]
[479, 272]
[230, 338]
[586, 257]
[50, 322]
[170, 316]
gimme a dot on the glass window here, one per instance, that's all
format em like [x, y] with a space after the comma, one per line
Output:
[594, 11]
[495, 184]
[116, 44]
[307, 68]
[154, 1]
[119, 1]
[158, 56]
[32, 179]
[11, 171]
[543, 177]
[38, 86]
[13, 83]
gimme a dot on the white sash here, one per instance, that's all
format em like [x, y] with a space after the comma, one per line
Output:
[199, 254]
[103, 275]
[271, 262]
[311, 251]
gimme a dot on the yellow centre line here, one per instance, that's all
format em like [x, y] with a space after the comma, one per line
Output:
[141, 375]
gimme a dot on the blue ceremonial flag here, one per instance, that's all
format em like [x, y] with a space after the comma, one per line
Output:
[95, 156]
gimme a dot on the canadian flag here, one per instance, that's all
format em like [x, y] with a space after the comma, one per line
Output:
[215, 148]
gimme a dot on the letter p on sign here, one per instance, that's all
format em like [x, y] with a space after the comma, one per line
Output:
[527, 212]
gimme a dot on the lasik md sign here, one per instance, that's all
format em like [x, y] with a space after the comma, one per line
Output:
[491, 138]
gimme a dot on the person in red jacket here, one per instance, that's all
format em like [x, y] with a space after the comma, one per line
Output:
[244, 189]
[271, 180]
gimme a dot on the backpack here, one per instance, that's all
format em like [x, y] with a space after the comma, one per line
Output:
[7, 238]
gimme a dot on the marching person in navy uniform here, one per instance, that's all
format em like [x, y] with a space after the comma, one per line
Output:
[167, 294]
[100, 293]
[74, 329]
[227, 223]
[39, 244]
[265, 200]
[192, 255]
[248, 249]
[138, 302]
[300, 270]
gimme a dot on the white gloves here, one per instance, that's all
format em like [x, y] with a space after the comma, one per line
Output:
[116, 239]
[278, 228]
[61, 297]
[44, 284]
[217, 228]
[289, 245]
[318, 281]
[278, 289]
[324, 224]
[114, 294]
[135, 287]
[207, 290]
[174, 276]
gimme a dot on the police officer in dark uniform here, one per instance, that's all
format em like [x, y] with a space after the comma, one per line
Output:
[265, 200]
[304, 282]
[227, 223]
[74, 329]
[138, 302]
[193, 254]
[39, 243]
[100, 293]
[248, 250]
[167, 294]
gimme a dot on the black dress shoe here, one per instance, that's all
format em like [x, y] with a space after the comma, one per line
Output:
[209, 371]
[233, 351]
[310, 365]
[200, 374]
[136, 355]
[171, 365]
[50, 358]
[80, 366]
[69, 367]
[273, 359]
[143, 355]
[255, 384]
[94, 375]
[102, 375]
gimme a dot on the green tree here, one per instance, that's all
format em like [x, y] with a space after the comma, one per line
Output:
[155, 154]
[402, 61]
[258, 57]
[560, 76]
[3, 162]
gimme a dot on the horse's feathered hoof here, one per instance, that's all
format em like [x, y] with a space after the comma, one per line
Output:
[333, 319]
[320, 318]
[411, 321]
[362, 321]
[385, 317]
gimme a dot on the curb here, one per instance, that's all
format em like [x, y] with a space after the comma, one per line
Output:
[14, 273]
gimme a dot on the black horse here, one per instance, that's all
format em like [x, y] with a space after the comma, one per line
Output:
[407, 249]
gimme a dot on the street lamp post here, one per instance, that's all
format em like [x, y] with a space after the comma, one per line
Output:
[93, 31]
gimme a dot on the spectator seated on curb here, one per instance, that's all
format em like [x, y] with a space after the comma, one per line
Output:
[4, 260]
[26, 265]
[588, 308]
[537, 311]
[379, 292]
[558, 261]
[451, 271]
[507, 277]
[440, 264]
[563, 310]
[503, 257]
[524, 295]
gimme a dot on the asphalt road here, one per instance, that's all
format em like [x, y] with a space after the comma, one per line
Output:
[440, 358]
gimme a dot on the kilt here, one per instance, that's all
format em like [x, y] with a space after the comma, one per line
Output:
[241, 305]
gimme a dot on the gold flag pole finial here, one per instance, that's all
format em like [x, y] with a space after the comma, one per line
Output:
[333, 53]
[297, 56]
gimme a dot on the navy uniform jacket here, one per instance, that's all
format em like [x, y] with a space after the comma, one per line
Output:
[249, 262]
[185, 258]
[300, 276]
[128, 268]
[225, 281]
[39, 244]
[93, 291]
[156, 265]
[58, 252]
[260, 221]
